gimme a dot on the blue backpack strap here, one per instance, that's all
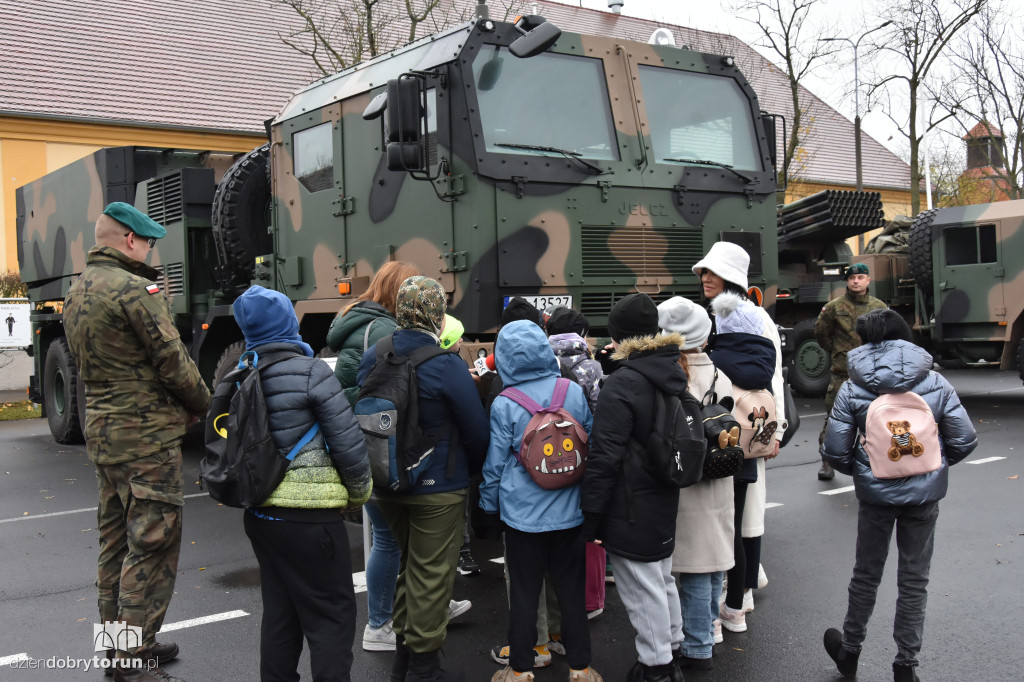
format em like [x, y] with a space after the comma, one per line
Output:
[302, 442]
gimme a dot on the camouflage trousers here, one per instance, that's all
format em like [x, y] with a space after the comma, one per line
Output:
[139, 519]
[834, 383]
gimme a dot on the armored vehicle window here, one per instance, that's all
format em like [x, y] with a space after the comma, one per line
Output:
[699, 116]
[313, 155]
[550, 100]
[969, 245]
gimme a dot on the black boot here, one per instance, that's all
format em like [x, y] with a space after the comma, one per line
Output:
[904, 673]
[426, 667]
[846, 660]
[400, 665]
[157, 655]
[684, 662]
[660, 673]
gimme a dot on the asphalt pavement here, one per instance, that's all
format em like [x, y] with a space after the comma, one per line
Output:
[48, 548]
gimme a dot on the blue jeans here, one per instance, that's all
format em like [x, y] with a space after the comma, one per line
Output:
[698, 597]
[381, 569]
[915, 540]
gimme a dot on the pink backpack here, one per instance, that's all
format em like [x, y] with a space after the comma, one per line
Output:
[901, 436]
[755, 411]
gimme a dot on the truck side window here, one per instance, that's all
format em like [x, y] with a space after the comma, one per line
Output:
[313, 156]
[970, 245]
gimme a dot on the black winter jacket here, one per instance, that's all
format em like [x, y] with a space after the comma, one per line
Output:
[643, 530]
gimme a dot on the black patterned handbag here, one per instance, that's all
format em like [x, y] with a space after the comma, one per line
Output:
[724, 457]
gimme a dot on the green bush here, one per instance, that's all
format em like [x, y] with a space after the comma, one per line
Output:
[11, 285]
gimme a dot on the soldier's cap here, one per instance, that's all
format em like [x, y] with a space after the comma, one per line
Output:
[856, 269]
[135, 220]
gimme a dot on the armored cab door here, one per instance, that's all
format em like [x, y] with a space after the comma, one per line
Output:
[310, 203]
[969, 285]
[393, 216]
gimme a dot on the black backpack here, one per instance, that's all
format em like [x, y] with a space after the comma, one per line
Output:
[242, 466]
[387, 408]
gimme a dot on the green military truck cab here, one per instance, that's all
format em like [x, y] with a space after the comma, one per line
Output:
[500, 159]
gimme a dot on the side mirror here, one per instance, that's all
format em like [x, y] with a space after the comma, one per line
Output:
[536, 40]
[404, 125]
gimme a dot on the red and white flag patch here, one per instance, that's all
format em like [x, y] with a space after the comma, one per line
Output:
[153, 289]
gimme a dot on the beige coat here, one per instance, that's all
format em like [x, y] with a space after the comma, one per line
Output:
[704, 524]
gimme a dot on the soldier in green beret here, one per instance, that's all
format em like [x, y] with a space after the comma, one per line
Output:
[835, 332]
[142, 390]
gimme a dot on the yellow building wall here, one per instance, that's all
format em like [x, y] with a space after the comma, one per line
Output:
[31, 148]
[894, 202]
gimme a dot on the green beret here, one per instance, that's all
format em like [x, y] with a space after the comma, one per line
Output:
[856, 269]
[135, 220]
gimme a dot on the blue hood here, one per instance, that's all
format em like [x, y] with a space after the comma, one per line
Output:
[267, 316]
[888, 367]
[522, 353]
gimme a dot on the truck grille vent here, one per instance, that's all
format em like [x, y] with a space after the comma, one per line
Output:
[596, 304]
[164, 199]
[175, 284]
[617, 251]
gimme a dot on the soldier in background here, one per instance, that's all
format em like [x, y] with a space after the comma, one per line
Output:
[835, 332]
[142, 391]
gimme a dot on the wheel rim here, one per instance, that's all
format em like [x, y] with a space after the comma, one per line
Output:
[812, 360]
[59, 390]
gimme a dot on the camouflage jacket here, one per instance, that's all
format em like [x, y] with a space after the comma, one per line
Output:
[140, 383]
[835, 327]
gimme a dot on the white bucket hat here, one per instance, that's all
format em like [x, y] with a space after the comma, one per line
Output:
[727, 260]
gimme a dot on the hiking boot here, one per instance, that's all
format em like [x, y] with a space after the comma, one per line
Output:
[588, 674]
[541, 655]
[457, 608]
[510, 675]
[904, 673]
[762, 577]
[467, 564]
[845, 659]
[748, 601]
[717, 633]
[826, 473]
[555, 645]
[157, 656]
[733, 620]
[684, 662]
[379, 639]
[143, 675]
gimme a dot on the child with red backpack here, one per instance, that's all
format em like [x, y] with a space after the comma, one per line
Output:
[544, 525]
[889, 368]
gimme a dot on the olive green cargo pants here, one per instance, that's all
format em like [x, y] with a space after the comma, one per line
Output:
[429, 532]
[139, 519]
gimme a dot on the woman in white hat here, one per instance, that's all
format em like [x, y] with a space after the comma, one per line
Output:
[724, 269]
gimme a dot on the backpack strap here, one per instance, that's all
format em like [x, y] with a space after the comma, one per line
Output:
[710, 392]
[366, 334]
[303, 441]
[517, 396]
[558, 397]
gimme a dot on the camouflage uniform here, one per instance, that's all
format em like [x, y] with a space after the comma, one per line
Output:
[140, 386]
[835, 332]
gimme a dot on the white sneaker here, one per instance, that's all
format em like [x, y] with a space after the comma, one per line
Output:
[733, 620]
[762, 578]
[457, 608]
[718, 631]
[379, 639]
[748, 601]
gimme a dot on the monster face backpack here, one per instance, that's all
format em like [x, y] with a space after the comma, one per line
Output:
[901, 436]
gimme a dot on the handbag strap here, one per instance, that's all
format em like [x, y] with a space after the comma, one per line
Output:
[711, 392]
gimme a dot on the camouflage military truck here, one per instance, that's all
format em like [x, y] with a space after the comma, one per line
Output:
[501, 159]
[956, 275]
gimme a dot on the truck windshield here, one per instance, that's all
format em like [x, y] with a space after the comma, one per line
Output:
[547, 102]
[699, 116]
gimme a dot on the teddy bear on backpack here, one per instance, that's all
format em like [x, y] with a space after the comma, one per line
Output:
[903, 441]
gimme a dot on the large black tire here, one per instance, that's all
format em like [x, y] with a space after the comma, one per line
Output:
[919, 250]
[241, 210]
[64, 394]
[228, 361]
[810, 364]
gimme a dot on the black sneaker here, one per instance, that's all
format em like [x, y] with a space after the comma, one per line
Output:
[846, 660]
[467, 565]
[904, 673]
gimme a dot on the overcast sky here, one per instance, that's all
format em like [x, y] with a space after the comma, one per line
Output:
[832, 84]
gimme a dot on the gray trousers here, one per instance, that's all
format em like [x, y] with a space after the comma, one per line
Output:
[648, 591]
[915, 540]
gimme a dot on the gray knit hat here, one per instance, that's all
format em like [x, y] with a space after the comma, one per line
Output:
[683, 316]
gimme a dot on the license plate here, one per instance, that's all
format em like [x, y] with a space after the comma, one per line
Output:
[544, 302]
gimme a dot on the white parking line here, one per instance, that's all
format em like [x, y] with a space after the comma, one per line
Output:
[499, 560]
[985, 460]
[75, 511]
[191, 623]
[816, 414]
[8, 660]
[837, 491]
[769, 505]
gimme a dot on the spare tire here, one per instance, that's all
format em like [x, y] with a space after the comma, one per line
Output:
[919, 251]
[241, 212]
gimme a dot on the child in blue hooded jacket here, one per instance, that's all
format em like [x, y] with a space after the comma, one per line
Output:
[544, 528]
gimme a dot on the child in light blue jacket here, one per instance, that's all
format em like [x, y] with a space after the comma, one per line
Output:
[543, 527]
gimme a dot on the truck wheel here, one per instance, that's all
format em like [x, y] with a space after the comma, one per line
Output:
[228, 361]
[241, 208]
[919, 251]
[810, 363]
[62, 393]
